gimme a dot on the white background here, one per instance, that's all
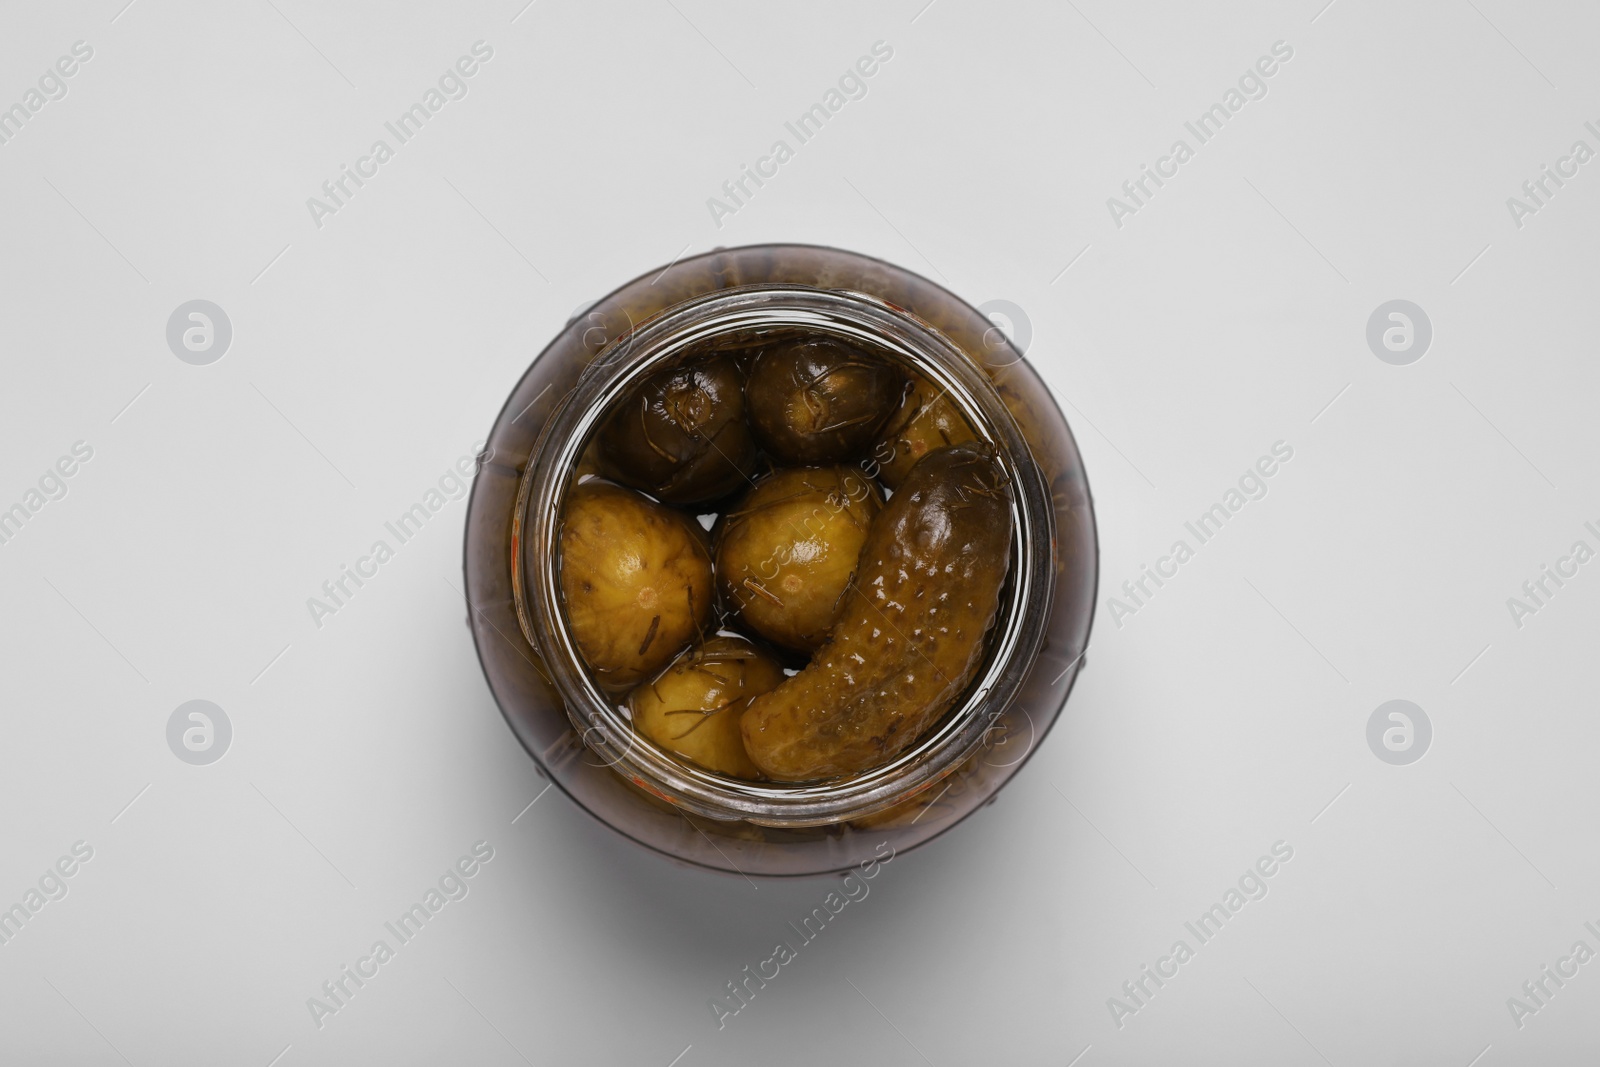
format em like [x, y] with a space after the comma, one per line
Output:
[368, 354]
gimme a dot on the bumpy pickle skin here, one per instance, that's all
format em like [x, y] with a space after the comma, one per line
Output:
[912, 632]
[693, 707]
[926, 420]
[785, 554]
[636, 581]
[817, 401]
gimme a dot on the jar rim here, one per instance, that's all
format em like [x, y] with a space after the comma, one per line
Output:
[1014, 641]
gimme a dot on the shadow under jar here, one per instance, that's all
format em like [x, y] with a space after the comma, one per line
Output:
[743, 301]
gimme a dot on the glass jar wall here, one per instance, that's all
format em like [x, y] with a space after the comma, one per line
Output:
[576, 730]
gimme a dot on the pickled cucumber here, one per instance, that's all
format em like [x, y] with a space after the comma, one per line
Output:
[636, 580]
[682, 436]
[785, 554]
[925, 420]
[818, 401]
[693, 707]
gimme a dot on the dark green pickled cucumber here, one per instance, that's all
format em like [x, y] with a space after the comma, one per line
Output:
[818, 401]
[682, 435]
[912, 632]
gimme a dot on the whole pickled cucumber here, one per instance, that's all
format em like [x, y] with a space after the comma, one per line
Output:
[911, 635]
[636, 581]
[693, 707]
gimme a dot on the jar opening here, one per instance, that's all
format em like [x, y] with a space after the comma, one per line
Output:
[742, 318]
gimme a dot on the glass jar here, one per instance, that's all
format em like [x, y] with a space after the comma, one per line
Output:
[575, 731]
